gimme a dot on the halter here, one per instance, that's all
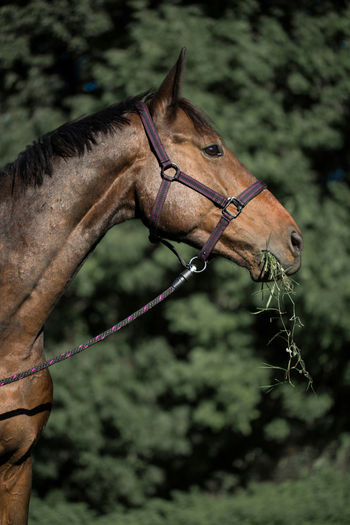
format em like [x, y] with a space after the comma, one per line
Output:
[219, 200]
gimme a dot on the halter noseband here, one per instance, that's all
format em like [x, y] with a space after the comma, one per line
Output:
[220, 201]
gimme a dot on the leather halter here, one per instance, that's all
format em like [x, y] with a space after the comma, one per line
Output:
[219, 200]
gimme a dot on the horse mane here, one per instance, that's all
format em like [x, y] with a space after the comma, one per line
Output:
[76, 137]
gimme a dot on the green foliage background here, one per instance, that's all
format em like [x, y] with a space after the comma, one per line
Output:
[169, 423]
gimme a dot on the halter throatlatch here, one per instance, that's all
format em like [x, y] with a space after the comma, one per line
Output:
[219, 200]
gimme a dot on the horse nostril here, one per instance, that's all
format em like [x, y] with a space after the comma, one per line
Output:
[297, 242]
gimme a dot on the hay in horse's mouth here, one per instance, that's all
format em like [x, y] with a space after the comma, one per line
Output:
[272, 269]
[280, 291]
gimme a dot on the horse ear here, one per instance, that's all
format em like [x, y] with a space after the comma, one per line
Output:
[169, 91]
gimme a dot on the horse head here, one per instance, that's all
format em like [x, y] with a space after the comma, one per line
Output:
[193, 145]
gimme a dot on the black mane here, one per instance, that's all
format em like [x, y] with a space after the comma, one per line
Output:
[75, 137]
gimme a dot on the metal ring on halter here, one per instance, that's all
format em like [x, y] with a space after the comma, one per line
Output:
[239, 205]
[191, 266]
[174, 167]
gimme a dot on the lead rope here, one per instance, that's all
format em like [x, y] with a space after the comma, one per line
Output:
[179, 281]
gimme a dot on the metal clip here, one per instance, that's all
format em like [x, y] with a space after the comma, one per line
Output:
[182, 278]
[190, 270]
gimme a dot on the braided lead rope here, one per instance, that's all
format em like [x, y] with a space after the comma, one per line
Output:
[179, 281]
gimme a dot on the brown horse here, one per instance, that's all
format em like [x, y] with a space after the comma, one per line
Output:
[60, 197]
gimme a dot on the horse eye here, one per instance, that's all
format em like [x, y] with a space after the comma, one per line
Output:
[214, 150]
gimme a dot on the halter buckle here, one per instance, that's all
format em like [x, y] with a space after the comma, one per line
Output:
[173, 166]
[237, 203]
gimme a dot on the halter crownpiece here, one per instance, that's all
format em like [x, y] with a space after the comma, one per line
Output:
[219, 200]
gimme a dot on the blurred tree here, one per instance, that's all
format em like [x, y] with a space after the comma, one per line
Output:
[172, 404]
[317, 499]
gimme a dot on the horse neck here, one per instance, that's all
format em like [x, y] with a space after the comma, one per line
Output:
[48, 231]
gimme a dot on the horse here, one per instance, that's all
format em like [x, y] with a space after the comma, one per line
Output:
[59, 198]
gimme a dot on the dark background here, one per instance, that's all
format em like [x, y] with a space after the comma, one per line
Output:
[169, 422]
